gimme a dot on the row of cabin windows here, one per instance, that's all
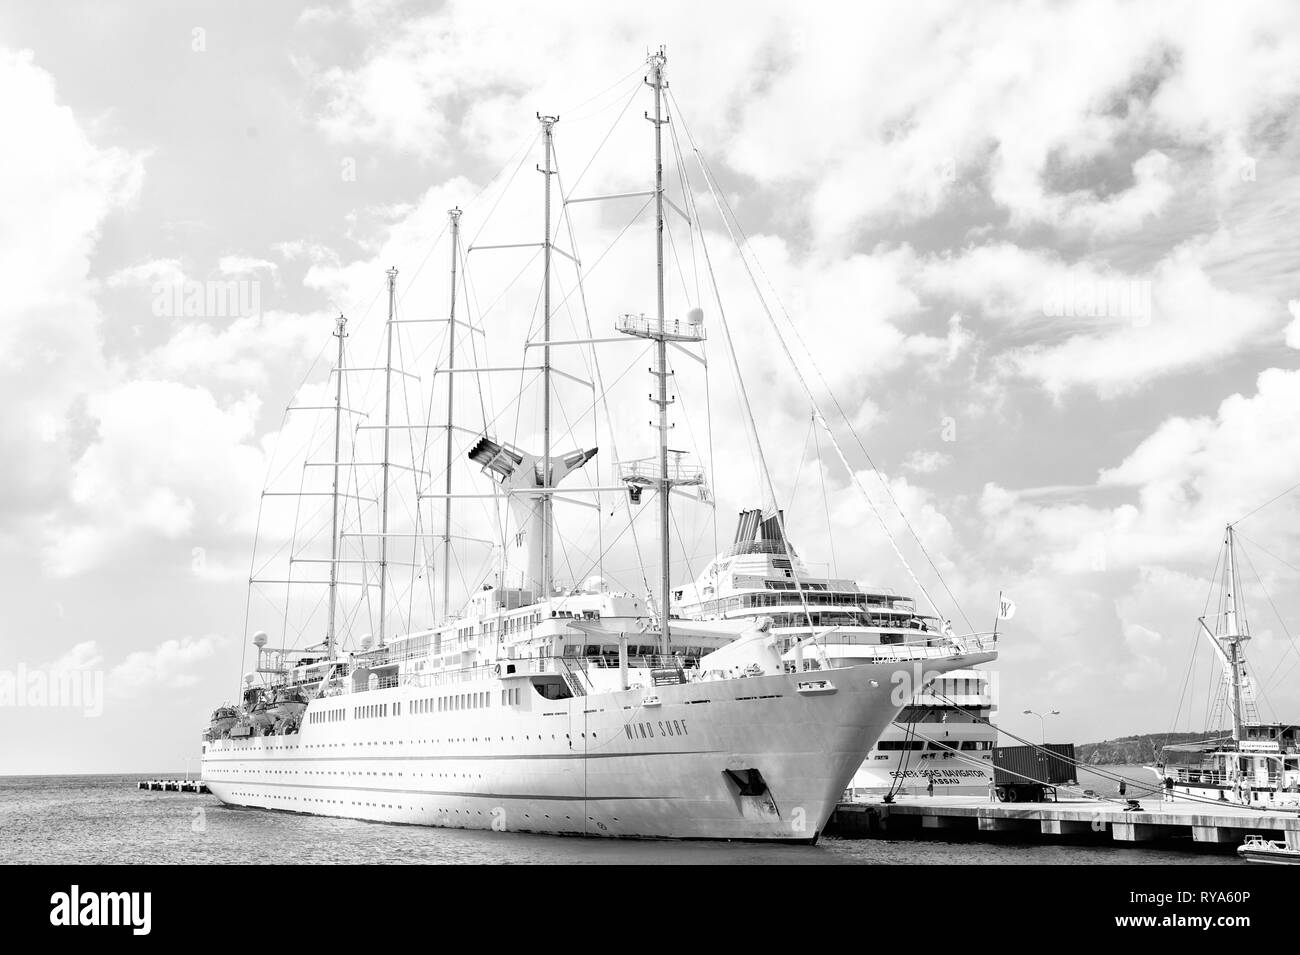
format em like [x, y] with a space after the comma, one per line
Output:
[633, 650]
[375, 710]
[327, 716]
[509, 625]
[448, 704]
[823, 598]
[916, 745]
[963, 686]
[510, 697]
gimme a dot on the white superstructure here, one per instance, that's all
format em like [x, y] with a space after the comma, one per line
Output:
[942, 733]
[563, 716]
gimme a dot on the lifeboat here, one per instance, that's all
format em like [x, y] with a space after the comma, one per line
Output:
[223, 718]
[287, 704]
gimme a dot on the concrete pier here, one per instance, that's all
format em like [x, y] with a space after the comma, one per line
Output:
[1199, 825]
[174, 786]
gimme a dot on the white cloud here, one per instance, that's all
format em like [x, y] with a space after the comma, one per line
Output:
[57, 189]
[926, 462]
[1095, 328]
[81, 656]
[148, 273]
[244, 353]
[244, 265]
[1179, 487]
[1293, 327]
[167, 463]
[172, 665]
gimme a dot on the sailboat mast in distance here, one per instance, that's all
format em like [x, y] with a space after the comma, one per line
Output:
[1232, 631]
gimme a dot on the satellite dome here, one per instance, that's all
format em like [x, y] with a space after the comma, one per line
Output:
[259, 639]
[367, 642]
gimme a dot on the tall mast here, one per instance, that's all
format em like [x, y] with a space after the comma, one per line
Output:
[656, 80]
[454, 214]
[548, 530]
[383, 508]
[1233, 633]
[340, 332]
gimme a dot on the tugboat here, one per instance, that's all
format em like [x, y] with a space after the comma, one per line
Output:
[1259, 764]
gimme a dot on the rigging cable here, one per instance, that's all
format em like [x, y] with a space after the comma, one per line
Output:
[765, 472]
[720, 203]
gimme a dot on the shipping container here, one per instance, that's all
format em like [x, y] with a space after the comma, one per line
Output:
[1032, 773]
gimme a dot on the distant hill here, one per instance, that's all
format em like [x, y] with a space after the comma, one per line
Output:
[1133, 750]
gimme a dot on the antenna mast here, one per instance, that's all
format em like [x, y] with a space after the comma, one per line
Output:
[340, 332]
[454, 214]
[548, 529]
[656, 80]
[383, 510]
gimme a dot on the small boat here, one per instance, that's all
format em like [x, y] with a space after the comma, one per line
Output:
[287, 703]
[1273, 851]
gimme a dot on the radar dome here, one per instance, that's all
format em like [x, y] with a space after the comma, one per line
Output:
[367, 642]
[259, 639]
[248, 679]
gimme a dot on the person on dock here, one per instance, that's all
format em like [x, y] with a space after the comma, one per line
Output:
[1123, 787]
[929, 787]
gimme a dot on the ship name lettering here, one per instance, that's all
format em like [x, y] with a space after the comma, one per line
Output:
[647, 730]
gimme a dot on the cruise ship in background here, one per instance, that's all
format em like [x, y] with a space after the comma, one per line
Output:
[943, 733]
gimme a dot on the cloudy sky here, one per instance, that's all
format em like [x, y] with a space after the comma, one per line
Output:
[1042, 255]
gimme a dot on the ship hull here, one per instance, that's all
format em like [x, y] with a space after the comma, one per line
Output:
[753, 759]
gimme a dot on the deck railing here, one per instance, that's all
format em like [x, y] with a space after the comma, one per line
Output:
[526, 666]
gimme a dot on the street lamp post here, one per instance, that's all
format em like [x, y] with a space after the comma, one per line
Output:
[1042, 720]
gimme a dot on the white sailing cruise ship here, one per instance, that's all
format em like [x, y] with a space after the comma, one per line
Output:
[535, 706]
[943, 733]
